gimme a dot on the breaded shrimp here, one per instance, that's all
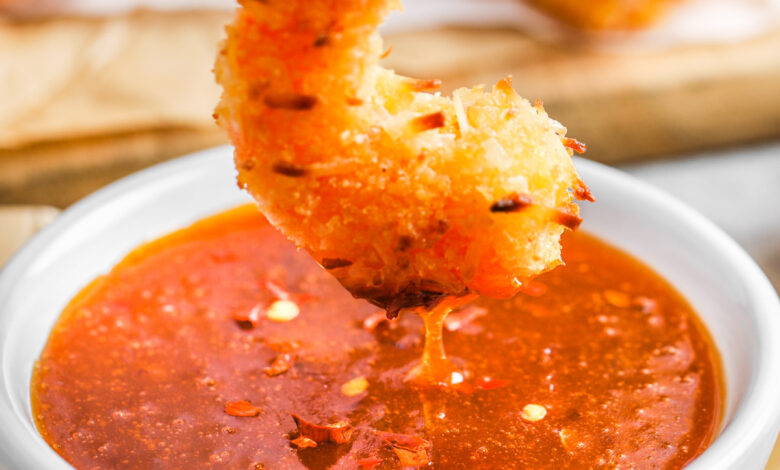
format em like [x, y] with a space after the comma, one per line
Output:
[606, 14]
[404, 195]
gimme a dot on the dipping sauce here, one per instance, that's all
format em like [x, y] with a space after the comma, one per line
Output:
[197, 349]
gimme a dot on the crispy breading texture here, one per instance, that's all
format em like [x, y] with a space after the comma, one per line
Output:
[391, 187]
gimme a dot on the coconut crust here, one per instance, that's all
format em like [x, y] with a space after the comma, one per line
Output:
[391, 186]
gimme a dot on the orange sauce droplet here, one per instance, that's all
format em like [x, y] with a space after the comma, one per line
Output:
[435, 368]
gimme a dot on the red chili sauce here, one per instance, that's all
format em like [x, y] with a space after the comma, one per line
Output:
[173, 360]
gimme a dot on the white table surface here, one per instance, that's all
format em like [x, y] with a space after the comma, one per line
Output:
[738, 189]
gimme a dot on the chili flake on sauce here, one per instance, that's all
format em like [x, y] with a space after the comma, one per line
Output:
[171, 361]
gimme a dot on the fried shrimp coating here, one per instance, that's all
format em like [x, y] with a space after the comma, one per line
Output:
[606, 14]
[404, 195]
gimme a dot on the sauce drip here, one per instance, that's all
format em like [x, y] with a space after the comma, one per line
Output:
[435, 368]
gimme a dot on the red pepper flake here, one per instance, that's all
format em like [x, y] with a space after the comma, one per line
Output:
[280, 365]
[242, 408]
[512, 203]
[247, 165]
[303, 442]
[322, 39]
[534, 289]
[425, 85]
[290, 101]
[334, 263]
[252, 317]
[457, 320]
[617, 298]
[387, 52]
[404, 243]
[582, 192]
[337, 433]
[255, 91]
[574, 145]
[369, 462]
[428, 122]
[352, 101]
[539, 104]
[487, 383]
[412, 451]
[567, 219]
[289, 169]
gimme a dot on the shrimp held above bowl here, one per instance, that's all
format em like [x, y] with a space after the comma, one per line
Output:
[406, 196]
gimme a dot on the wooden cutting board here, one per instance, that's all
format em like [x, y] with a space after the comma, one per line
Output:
[18, 224]
[74, 137]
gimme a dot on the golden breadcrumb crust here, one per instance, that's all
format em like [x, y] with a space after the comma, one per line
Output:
[401, 193]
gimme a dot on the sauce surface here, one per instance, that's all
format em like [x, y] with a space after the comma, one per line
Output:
[601, 364]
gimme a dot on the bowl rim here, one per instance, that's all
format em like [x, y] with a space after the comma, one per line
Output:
[756, 416]
[758, 413]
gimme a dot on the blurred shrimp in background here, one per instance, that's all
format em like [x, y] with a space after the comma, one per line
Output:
[606, 14]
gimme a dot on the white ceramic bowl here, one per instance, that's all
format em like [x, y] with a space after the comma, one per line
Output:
[726, 288]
